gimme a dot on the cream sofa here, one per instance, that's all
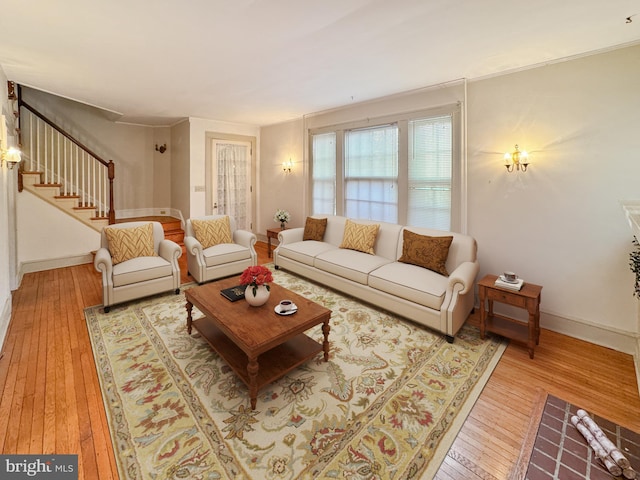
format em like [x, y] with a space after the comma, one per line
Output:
[426, 297]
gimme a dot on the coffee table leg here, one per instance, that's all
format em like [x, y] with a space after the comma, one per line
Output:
[189, 306]
[325, 345]
[252, 370]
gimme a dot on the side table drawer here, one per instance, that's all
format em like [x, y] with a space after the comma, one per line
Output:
[506, 297]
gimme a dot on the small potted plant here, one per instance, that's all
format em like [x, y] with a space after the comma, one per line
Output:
[257, 279]
[281, 216]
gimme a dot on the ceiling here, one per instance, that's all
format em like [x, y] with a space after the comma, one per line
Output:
[262, 62]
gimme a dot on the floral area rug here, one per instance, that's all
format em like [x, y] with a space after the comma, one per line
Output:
[387, 404]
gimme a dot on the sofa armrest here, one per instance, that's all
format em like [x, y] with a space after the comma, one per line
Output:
[290, 235]
[169, 250]
[193, 246]
[244, 238]
[103, 263]
[464, 274]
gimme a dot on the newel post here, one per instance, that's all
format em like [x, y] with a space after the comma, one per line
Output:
[111, 168]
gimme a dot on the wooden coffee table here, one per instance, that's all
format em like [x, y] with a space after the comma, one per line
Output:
[257, 343]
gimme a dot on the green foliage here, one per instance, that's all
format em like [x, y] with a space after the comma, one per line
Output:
[635, 266]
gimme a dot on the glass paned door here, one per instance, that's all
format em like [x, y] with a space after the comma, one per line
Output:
[231, 174]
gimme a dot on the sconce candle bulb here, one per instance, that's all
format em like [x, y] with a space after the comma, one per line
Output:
[518, 159]
[287, 166]
[12, 156]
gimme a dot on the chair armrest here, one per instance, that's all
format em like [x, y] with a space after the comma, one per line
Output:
[464, 274]
[244, 238]
[103, 263]
[169, 250]
[290, 235]
[193, 246]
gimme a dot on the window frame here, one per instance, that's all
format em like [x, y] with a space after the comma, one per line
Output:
[458, 170]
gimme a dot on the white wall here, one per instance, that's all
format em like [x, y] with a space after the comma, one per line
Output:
[7, 195]
[560, 224]
[38, 223]
[279, 143]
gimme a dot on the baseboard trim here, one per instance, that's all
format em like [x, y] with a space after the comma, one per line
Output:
[51, 263]
[5, 320]
[603, 335]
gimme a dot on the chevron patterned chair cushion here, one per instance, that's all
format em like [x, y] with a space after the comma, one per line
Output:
[212, 232]
[128, 243]
[360, 237]
[425, 251]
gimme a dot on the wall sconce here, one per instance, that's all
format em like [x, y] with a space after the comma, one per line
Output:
[518, 158]
[287, 166]
[161, 148]
[12, 156]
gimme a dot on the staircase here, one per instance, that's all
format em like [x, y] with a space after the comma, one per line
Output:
[51, 193]
[172, 226]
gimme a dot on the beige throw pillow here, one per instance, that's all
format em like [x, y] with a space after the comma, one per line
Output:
[425, 251]
[314, 229]
[360, 237]
[128, 243]
[212, 232]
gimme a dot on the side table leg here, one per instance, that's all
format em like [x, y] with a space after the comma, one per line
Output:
[325, 345]
[269, 245]
[483, 313]
[532, 334]
[252, 370]
[189, 306]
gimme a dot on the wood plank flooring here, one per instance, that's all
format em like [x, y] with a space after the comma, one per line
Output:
[50, 399]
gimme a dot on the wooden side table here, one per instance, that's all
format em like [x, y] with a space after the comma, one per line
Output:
[528, 298]
[272, 233]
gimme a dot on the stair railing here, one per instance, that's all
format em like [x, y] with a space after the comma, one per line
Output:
[63, 160]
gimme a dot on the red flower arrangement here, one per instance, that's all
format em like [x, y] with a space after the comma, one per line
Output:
[256, 275]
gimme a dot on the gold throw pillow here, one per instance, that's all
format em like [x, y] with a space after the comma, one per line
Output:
[128, 243]
[314, 229]
[425, 251]
[360, 237]
[212, 232]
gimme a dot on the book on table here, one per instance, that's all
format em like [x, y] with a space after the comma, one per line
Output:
[502, 283]
[233, 293]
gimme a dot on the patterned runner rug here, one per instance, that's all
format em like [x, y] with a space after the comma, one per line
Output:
[387, 405]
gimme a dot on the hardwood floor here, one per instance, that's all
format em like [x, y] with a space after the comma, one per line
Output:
[50, 399]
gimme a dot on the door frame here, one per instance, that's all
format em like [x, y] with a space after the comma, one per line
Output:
[209, 194]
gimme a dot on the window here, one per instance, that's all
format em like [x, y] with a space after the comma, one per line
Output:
[402, 170]
[371, 173]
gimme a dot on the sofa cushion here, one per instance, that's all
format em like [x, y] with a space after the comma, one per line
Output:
[426, 251]
[128, 243]
[410, 282]
[349, 264]
[305, 251]
[212, 232]
[225, 253]
[314, 229]
[360, 237]
[140, 269]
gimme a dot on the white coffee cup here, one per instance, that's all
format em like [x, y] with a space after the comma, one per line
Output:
[286, 305]
[510, 276]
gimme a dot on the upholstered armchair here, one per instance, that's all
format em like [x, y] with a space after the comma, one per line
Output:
[136, 261]
[216, 249]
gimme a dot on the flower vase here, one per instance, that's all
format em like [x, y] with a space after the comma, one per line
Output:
[260, 298]
[282, 225]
